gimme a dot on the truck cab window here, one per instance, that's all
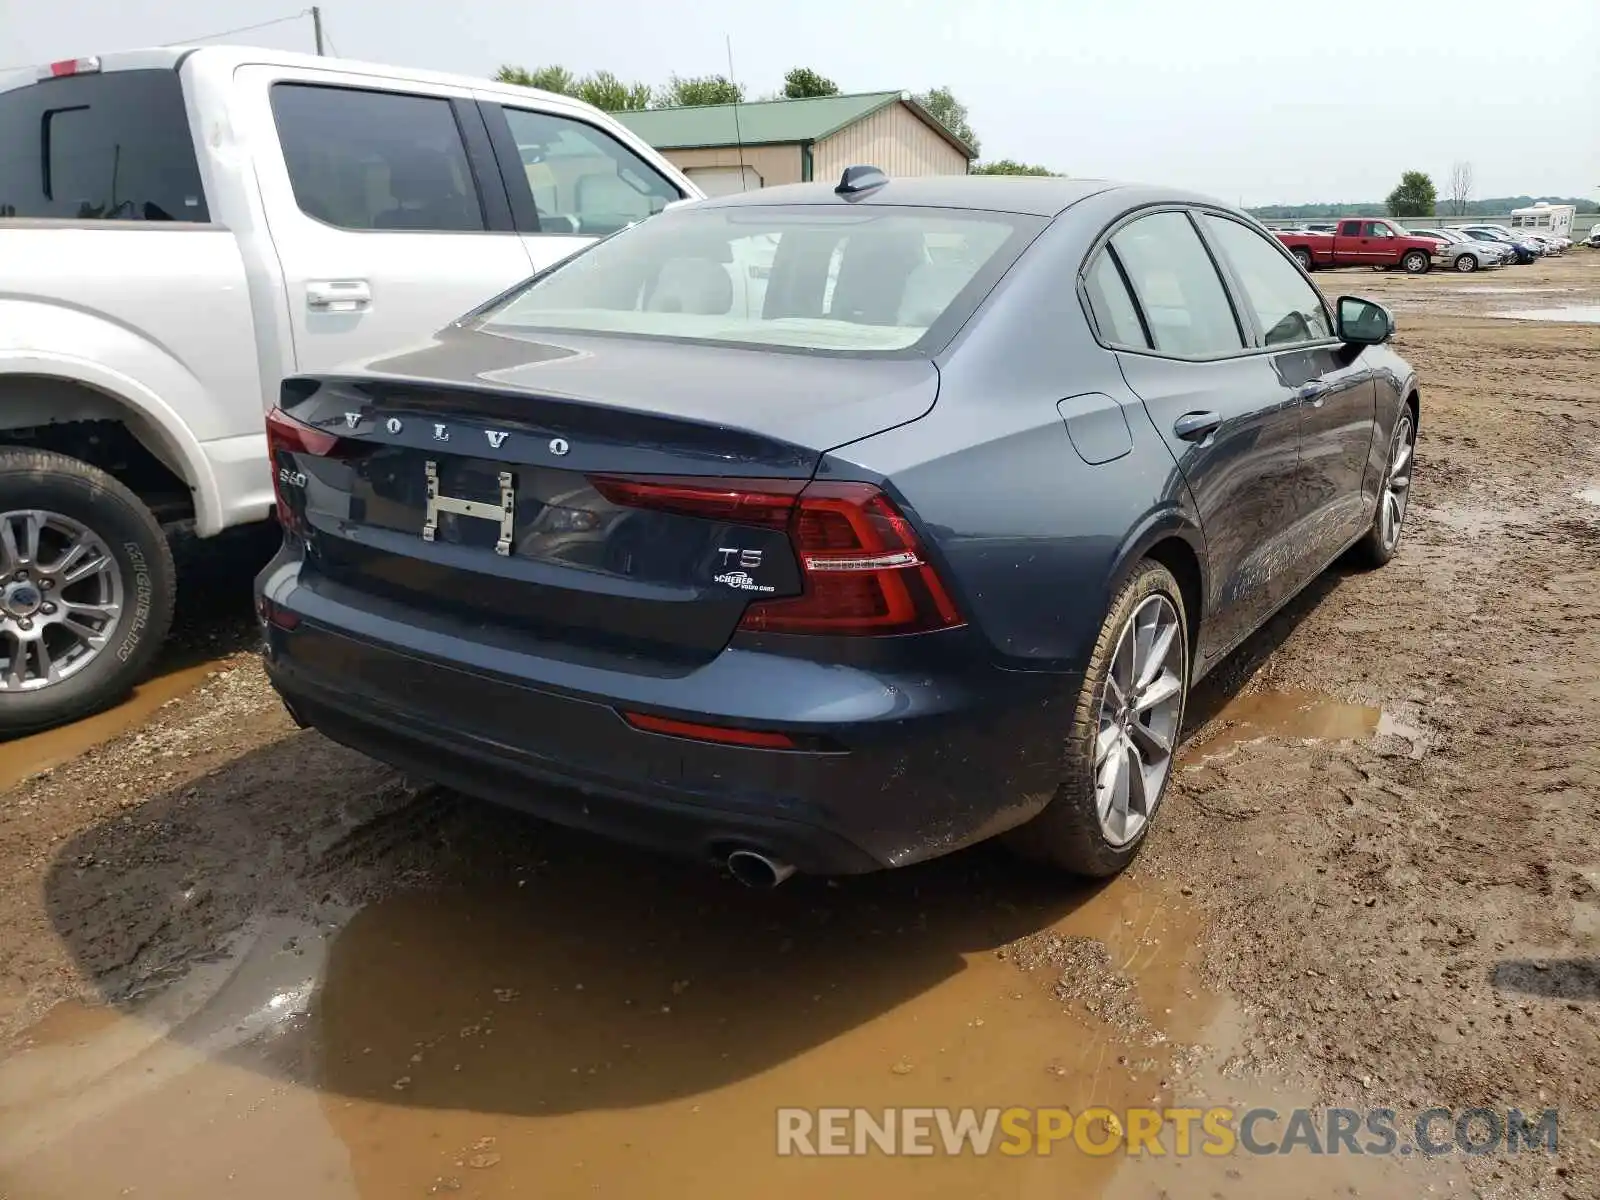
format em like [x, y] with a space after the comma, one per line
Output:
[112, 147]
[376, 160]
[584, 181]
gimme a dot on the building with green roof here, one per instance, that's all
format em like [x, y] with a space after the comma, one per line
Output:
[734, 147]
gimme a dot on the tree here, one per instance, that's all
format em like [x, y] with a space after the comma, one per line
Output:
[801, 82]
[605, 91]
[1008, 166]
[549, 79]
[949, 112]
[698, 90]
[1415, 197]
[1460, 187]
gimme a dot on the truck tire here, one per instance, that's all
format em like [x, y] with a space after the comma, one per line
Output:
[1467, 263]
[1415, 262]
[86, 589]
[1303, 257]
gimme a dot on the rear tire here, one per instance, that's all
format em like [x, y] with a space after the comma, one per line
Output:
[117, 588]
[1303, 257]
[1080, 829]
[1415, 262]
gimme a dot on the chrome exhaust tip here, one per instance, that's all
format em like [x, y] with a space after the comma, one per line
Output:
[756, 870]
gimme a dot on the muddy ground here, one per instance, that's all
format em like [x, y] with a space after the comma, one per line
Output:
[238, 960]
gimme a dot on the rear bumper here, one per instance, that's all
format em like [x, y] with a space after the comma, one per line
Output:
[916, 764]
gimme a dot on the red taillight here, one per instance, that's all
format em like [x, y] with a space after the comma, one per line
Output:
[272, 614]
[863, 567]
[71, 66]
[287, 437]
[758, 739]
[285, 433]
[764, 502]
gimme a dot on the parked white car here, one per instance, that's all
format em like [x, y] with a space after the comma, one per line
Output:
[179, 230]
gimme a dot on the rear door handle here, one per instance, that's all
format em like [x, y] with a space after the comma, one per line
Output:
[1317, 393]
[1197, 426]
[338, 295]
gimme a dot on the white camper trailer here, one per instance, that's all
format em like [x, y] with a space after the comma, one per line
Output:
[1552, 219]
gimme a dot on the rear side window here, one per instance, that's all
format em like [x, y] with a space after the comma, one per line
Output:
[1177, 287]
[376, 160]
[584, 181]
[111, 147]
[1114, 313]
[1288, 309]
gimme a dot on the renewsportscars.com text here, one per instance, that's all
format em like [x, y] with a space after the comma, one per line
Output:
[1217, 1131]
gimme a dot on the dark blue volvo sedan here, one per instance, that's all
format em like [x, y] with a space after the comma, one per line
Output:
[830, 528]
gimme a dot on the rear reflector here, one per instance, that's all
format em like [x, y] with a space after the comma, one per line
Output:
[71, 66]
[863, 566]
[271, 614]
[754, 738]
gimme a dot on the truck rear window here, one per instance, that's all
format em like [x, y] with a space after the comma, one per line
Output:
[112, 147]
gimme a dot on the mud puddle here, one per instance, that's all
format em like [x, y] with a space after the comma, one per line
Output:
[599, 1023]
[1288, 715]
[1589, 495]
[1583, 314]
[27, 756]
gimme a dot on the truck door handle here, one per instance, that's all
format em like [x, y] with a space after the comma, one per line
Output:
[1197, 426]
[1317, 393]
[338, 295]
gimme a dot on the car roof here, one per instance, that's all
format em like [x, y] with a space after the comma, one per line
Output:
[1030, 195]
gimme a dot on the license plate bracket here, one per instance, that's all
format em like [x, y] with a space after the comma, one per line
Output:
[504, 513]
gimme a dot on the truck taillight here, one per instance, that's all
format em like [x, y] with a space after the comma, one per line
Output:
[863, 568]
[71, 66]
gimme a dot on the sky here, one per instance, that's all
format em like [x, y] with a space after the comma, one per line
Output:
[1249, 101]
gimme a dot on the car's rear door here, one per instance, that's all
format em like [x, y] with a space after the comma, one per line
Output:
[385, 206]
[1219, 404]
[1331, 383]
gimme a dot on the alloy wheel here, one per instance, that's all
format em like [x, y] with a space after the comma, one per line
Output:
[1397, 483]
[1139, 714]
[61, 598]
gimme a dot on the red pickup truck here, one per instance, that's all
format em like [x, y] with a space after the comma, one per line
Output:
[1362, 242]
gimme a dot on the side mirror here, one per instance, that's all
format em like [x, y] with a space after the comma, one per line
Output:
[1364, 323]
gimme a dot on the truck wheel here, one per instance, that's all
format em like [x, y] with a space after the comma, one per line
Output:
[1467, 263]
[86, 589]
[1415, 262]
[1303, 257]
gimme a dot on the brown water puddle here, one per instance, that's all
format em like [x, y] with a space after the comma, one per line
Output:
[24, 757]
[1288, 715]
[609, 1025]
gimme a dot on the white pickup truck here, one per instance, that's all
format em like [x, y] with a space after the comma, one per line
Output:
[179, 230]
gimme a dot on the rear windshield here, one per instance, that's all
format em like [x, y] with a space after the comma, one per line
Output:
[112, 147]
[824, 278]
